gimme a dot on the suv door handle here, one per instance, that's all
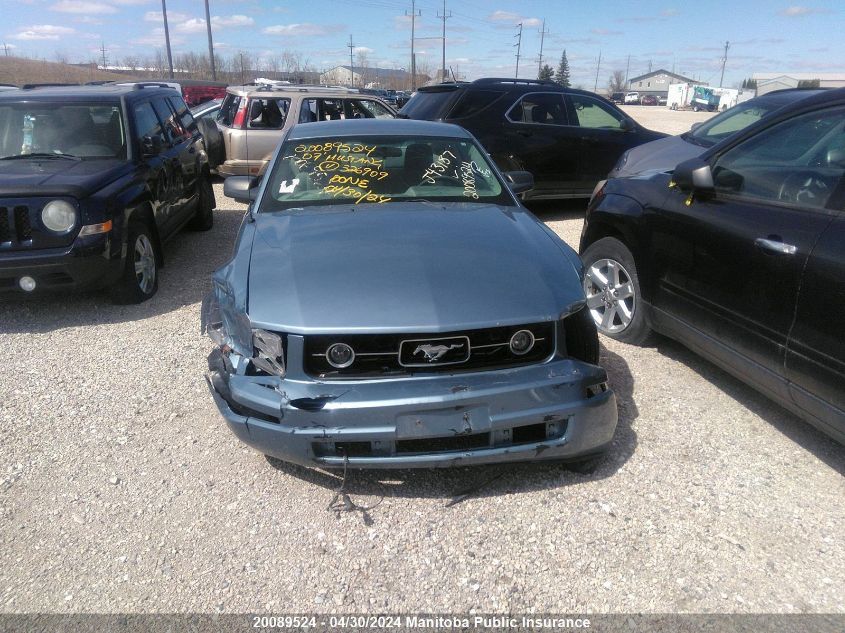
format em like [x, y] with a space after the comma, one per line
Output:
[774, 244]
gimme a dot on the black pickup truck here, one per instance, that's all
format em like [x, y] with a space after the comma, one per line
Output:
[92, 180]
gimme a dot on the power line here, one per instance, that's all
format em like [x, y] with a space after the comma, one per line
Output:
[444, 17]
[351, 66]
[724, 62]
[414, 13]
[543, 34]
[518, 49]
[210, 45]
[598, 66]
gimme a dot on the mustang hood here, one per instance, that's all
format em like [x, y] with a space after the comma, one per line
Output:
[56, 176]
[411, 267]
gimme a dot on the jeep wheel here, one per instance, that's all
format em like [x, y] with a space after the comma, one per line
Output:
[613, 295]
[139, 280]
[203, 219]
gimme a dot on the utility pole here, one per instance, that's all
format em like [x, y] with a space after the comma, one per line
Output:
[444, 17]
[351, 47]
[724, 61]
[210, 45]
[414, 13]
[627, 68]
[518, 48]
[242, 69]
[103, 53]
[543, 34]
[596, 86]
[167, 36]
[6, 48]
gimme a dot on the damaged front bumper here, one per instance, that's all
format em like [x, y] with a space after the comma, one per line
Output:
[558, 410]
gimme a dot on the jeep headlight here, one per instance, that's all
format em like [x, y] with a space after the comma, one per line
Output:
[59, 216]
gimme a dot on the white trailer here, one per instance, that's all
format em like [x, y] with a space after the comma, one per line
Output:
[679, 96]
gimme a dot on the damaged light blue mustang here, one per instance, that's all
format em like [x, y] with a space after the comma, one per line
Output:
[391, 304]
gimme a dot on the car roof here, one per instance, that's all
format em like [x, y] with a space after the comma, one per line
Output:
[508, 83]
[372, 127]
[47, 93]
[258, 90]
[788, 95]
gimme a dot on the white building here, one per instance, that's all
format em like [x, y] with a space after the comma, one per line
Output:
[767, 82]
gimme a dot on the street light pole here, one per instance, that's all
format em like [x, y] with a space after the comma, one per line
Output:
[210, 45]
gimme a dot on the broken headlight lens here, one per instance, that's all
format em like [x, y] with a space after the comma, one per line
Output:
[268, 352]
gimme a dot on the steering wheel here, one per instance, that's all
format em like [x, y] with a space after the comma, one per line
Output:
[804, 187]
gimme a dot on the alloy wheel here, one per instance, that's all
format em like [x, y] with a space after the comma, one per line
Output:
[610, 295]
[145, 264]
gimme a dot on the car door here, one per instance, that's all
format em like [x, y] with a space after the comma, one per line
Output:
[536, 137]
[266, 119]
[152, 145]
[604, 133]
[730, 264]
[181, 160]
[815, 358]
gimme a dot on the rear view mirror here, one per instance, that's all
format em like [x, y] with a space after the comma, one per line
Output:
[693, 175]
[519, 181]
[241, 188]
[150, 146]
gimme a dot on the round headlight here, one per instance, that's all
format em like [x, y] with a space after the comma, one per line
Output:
[340, 355]
[59, 216]
[522, 342]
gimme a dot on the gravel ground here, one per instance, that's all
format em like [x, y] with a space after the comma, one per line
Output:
[123, 491]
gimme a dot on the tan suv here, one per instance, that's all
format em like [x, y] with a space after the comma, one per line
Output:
[253, 119]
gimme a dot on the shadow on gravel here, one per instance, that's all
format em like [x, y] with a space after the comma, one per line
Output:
[454, 485]
[190, 258]
[801, 432]
[558, 210]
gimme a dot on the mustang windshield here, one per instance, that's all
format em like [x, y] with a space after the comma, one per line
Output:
[381, 169]
[41, 128]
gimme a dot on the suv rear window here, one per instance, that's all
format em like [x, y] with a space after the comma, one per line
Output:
[428, 105]
[229, 109]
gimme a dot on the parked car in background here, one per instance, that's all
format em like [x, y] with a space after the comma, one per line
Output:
[92, 180]
[617, 97]
[739, 254]
[207, 110]
[398, 307]
[665, 153]
[662, 101]
[632, 98]
[568, 139]
[648, 100]
[253, 119]
[194, 91]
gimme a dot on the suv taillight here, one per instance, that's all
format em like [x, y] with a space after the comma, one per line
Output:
[239, 122]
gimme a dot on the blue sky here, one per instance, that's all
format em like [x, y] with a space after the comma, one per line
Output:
[765, 35]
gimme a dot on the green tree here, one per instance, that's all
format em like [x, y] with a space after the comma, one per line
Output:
[562, 75]
[546, 72]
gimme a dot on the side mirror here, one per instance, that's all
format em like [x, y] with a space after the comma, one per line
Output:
[241, 188]
[150, 146]
[519, 181]
[836, 158]
[695, 126]
[694, 175]
[628, 125]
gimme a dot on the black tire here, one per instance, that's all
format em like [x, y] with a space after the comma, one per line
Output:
[203, 219]
[213, 140]
[136, 287]
[582, 337]
[616, 307]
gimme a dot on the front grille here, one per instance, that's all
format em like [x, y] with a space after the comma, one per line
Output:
[23, 226]
[386, 355]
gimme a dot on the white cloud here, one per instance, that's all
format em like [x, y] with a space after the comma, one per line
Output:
[363, 49]
[605, 32]
[88, 20]
[797, 11]
[197, 25]
[532, 22]
[42, 32]
[297, 30]
[87, 7]
[172, 16]
[504, 16]
[232, 20]
[194, 25]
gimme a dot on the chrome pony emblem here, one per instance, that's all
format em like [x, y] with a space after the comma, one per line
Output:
[434, 352]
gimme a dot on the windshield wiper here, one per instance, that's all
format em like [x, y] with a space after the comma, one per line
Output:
[41, 155]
